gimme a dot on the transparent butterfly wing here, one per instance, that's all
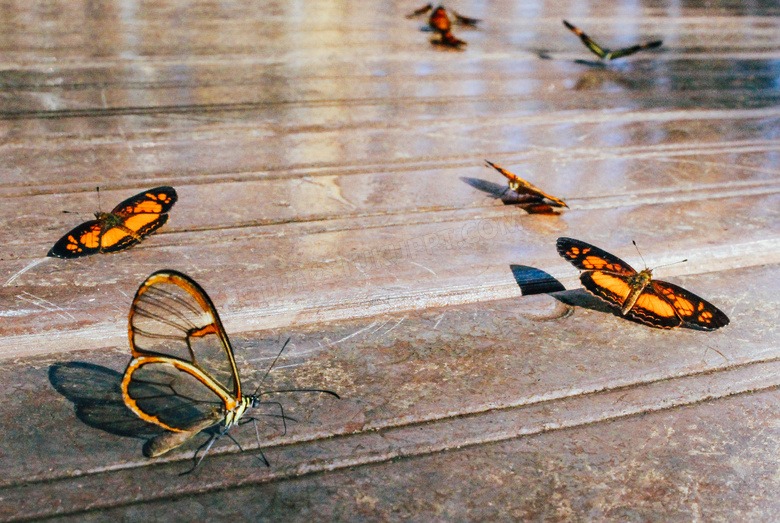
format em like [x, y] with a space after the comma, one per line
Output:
[173, 394]
[172, 316]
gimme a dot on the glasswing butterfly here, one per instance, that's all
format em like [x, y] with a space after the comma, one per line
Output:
[656, 303]
[523, 188]
[119, 229]
[183, 374]
[606, 54]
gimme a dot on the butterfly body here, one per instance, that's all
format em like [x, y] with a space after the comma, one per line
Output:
[653, 302]
[439, 21]
[120, 229]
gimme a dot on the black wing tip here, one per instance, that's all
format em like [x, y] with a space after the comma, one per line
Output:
[654, 44]
[719, 320]
[167, 189]
[59, 251]
[568, 25]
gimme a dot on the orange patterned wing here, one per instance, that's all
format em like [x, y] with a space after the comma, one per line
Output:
[652, 308]
[523, 187]
[81, 241]
[604, 275]
[120, 229]
[691, 309]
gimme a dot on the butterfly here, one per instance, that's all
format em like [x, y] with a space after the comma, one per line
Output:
[463, 20]
[440, 23]
[183, 374]
[522, 187]
[656, 303]
[606, 54]
[119, 229]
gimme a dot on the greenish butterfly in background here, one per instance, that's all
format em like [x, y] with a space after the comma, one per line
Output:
[606, 54]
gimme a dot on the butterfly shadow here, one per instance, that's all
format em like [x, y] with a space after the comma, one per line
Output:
[535, 281]
[530, 204]
[96, 394]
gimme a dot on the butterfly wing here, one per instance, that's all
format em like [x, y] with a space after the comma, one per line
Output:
[604, 275]
[81, 241]
[634, 49]
[690, 309]
[590, 44]
[449, 40]
[172, 316]
[652, 308]
[173, 394]
[523, 187]
[137, 217]
[465, 20]
[159, 445]
[424, 9]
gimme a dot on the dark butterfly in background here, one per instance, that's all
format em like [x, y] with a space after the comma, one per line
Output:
[119, 229]
[183, 374]
[653, 302]
[606, 54]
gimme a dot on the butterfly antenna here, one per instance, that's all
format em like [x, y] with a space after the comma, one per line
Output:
[324, 391]
[668, 264]
[639, 253]
[657, 266]
[98, 193]
[270, 368]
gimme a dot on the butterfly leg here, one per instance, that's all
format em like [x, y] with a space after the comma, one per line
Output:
[208, 443]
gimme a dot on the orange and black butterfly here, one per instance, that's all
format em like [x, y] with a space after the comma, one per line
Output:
[606, 54]
[463, 20]
[440, 23]
[523, 188]
[119, 229]
[656, 303]
[183, 374]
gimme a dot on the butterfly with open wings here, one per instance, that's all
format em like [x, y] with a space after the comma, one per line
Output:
[653, 302]
[606, 54]
[119, 229]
